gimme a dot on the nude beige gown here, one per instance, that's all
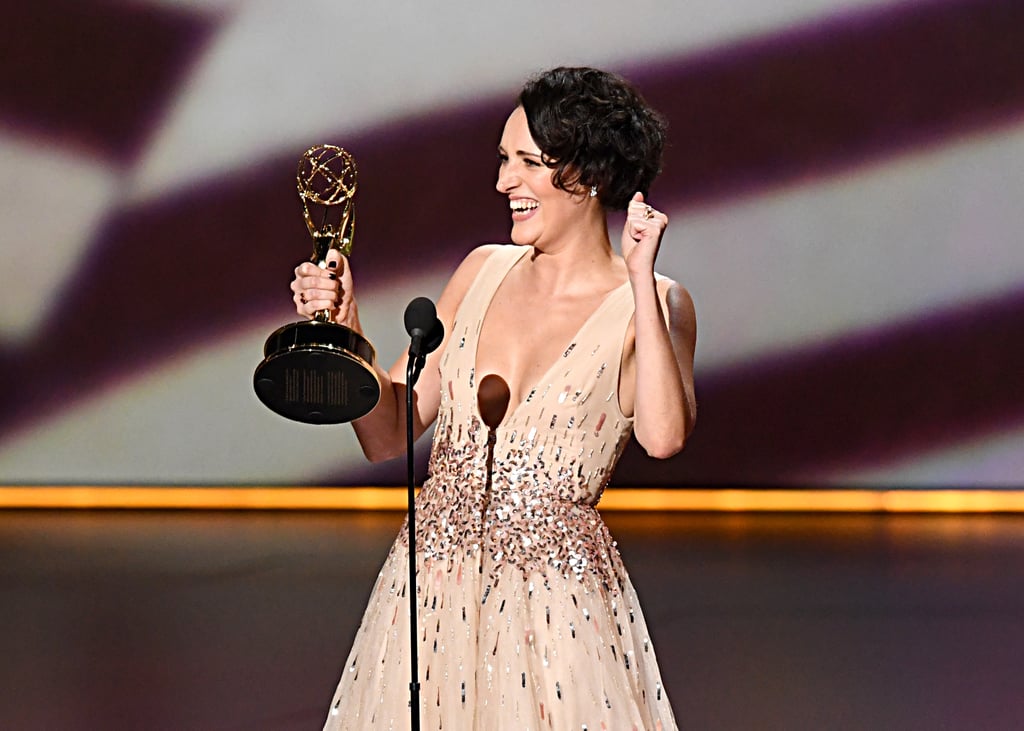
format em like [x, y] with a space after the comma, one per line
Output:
[527, 617]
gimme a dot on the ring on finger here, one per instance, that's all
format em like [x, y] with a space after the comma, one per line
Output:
[648, 213]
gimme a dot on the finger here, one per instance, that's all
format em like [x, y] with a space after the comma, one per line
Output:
[320, 294]
[335, 262]
[333, 255]
[301, 305]
[314, 306]
[652, 227]
[309, 276]
[335, 267]
[307, 269]
[648, 215]
[637, 229]
[638, 210]
[327, 281]
[316, 287]
[310, 307]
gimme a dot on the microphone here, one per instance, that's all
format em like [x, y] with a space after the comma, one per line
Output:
[427, 332]
[423, 326]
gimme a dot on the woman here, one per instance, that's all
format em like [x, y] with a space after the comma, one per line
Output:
[556, 349]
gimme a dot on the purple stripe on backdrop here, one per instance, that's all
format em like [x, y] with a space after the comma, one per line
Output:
[860, 400]
[95, 74]
[754, 116]
[821, 98]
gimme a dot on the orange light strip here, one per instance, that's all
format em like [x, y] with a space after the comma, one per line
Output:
[394, 498]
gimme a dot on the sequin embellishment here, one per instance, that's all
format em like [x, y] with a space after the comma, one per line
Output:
[522, 592]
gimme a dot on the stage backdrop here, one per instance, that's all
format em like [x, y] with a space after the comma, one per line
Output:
[844, 184]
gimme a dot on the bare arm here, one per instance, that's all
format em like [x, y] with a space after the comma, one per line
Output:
[381, 433]
[665, 407]
[658, 377]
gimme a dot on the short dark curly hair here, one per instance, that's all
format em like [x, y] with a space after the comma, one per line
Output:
[594, 130]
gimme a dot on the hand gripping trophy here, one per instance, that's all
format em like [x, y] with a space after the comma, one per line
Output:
[316, 371]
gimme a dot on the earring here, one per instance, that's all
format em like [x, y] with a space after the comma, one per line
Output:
[593, 191]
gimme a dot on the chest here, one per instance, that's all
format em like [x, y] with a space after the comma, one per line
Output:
[522, 337]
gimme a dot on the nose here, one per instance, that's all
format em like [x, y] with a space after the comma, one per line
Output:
[507, 179]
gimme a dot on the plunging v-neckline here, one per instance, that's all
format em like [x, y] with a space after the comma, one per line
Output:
[511, 410]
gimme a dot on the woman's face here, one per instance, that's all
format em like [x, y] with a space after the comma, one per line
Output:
[541, 213]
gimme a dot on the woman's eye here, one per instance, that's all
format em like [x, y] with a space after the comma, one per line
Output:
[531, 163]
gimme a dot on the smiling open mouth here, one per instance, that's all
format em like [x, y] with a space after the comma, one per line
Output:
[522, 206]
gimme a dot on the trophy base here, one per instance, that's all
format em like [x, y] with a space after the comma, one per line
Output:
[317, 373]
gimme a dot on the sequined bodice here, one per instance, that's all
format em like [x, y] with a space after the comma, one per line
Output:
[537, 475]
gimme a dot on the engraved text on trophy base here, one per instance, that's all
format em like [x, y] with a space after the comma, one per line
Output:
[317, 388]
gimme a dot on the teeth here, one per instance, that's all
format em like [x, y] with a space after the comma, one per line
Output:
[522, 205]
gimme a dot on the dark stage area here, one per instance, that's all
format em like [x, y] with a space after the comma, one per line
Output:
[224, 621]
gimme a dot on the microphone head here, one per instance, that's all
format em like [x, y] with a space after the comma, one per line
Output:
[434, 336]
[420, 316]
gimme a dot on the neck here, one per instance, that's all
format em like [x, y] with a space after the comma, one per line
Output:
[575, 263]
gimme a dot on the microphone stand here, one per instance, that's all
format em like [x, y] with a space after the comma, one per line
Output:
[427, 333]
[412, 373]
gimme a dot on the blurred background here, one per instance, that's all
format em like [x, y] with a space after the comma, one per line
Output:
[844, 186]
[844, 183]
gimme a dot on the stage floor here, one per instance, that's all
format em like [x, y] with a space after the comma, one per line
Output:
[225, 621]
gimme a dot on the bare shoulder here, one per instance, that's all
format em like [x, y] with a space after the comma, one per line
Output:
[678, 308]
[676, 298]
[463, 277]
[470, 266]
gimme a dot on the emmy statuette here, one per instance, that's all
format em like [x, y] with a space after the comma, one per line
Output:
[316, 371]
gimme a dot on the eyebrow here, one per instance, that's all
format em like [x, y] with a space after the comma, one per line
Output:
[522, 153]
